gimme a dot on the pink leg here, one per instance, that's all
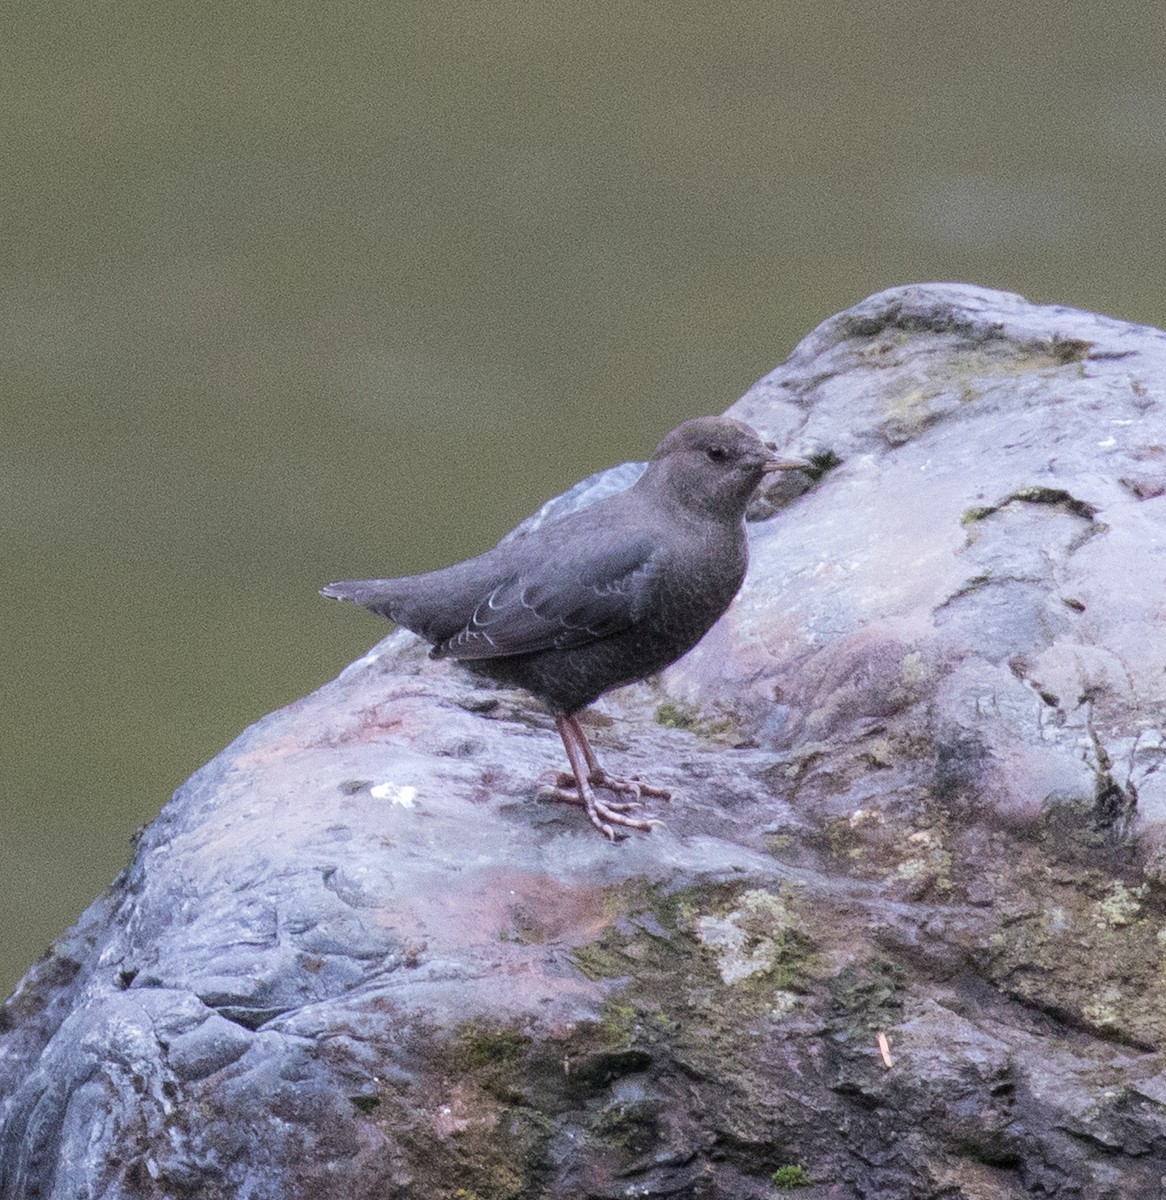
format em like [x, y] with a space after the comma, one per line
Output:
[615, 783]
[586, 771]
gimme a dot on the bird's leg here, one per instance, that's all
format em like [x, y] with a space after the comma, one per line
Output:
[597, 776]
[600, 778]
[583, 765]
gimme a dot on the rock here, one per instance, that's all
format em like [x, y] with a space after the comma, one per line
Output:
[917, 795]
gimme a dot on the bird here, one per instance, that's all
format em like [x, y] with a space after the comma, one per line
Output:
[603, 597]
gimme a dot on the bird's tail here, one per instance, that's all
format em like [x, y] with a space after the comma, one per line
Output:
[379, 595]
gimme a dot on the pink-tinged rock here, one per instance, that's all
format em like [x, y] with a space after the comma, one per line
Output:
[904, 928]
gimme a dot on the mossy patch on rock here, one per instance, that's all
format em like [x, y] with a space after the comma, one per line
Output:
[1087, 949]
[790, 1175]
[762, 935]
[716, 726]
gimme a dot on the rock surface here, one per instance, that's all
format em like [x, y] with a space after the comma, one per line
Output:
[903, 936]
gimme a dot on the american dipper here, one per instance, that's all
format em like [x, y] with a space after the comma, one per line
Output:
[600, 598]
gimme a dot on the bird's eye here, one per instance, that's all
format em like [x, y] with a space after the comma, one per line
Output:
[717, 453]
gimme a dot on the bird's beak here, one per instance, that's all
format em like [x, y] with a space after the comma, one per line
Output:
[786, 464]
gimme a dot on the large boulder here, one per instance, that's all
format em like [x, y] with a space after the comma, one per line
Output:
[903, 935]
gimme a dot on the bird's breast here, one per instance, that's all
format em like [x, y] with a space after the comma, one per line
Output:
[698, 584]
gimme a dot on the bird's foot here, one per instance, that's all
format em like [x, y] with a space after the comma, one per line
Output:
[587, 775]
[634, 787]
[604, 816]
[566, 791]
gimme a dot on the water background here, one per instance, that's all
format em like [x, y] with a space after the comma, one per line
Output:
[293, 292]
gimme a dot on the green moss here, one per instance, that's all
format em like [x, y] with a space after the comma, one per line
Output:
[1057, 497]
[477, 1048]
[675, 910]
[675, 716]
[630, 1128]
[1069, 350]
[672, 715]
[761, 936]
[1120, 906]
[790, 1176]
[618, 1022]
[1082, 945]
[494, 1151]
[867, 995]
[601, 959]
[977, 513]
[703, 966]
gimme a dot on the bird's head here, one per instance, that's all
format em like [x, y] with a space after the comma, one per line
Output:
[712, 466]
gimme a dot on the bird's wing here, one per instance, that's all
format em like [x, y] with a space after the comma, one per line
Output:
[563, 601]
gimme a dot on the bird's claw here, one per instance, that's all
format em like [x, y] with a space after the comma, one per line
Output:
[604, 815]
[599, 778]
[570, 795]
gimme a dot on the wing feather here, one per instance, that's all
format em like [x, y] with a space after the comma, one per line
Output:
[567, 600]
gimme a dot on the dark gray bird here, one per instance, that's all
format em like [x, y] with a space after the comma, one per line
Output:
[600, 598]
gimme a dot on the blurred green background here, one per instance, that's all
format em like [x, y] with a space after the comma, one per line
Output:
[298, 292]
